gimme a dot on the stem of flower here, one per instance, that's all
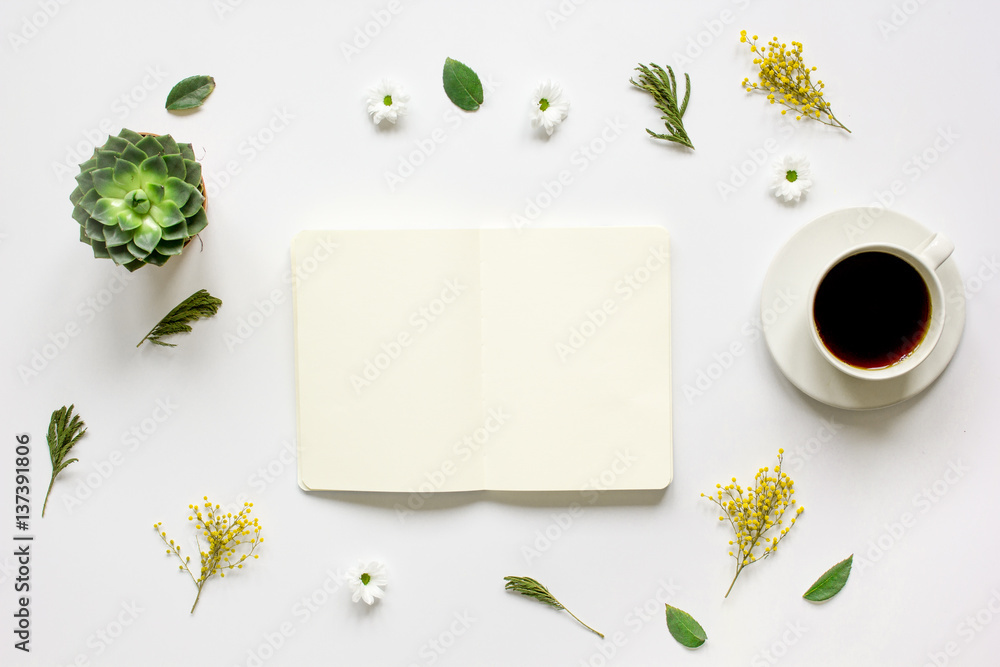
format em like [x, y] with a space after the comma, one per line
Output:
[46, 503]
[146, 336]
[738, 570]
[198, 596]
[584, 624]
[839, 124]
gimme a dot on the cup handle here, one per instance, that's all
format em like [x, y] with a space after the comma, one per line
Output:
[935, 250]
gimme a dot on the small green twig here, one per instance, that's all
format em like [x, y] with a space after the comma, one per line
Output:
[662, 85]
[198, 306]
[739, 568]
[65, 430]
[532, 589]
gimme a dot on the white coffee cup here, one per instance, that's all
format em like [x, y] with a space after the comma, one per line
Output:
[925, 259]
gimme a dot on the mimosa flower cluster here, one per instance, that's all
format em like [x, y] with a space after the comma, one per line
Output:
[754, 511]
[786, 80]
[225, 534]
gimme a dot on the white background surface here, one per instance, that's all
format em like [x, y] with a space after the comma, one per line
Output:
[82, 74]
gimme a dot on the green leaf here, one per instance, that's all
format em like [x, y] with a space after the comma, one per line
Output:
[103, 158]
[116, 144]
[100, 250]
[169, 247]
[177, 191]
[190, 93]
[830, 582]
[79, 214]
[192, 172]
[155, 192]
[85, 180]
[118, 235]
[153, 170]
[687, 631]
[136, 252]
[133, 154]
[147, 235]
[194, 203]
[107, 210]
[130, 136]
[104, 183]
[89, 201]
[198, 306]
[175, 232]
[168, 144]
[156, 258]
[175, 165]
[126, 175]
[127, 220]
[166, 214]
[95, 229]
[197, 222]
[462, 85]
[120, 254]
[150, 146]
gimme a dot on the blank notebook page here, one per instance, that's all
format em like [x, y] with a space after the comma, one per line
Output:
[493, 359]
[388, 359]
[577, 351]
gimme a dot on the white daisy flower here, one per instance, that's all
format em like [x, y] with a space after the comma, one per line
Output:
[366, 580]
[548, 107]
[791, 177]
[387, 101]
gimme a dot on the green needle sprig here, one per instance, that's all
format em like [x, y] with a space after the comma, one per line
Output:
[65, 430]
[531, 588]
[662, 85]
[200, 305]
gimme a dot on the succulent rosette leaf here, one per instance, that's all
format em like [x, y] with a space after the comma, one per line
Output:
[139, 199]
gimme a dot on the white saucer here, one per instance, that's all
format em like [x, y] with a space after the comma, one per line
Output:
[785, 305]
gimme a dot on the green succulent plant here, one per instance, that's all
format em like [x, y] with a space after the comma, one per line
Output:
[138, 199]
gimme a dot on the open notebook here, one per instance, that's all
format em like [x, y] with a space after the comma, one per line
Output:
[457, 360]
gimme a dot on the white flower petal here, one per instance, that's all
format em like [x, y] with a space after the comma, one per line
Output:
[556, 110]
[377, 107]
[784, 189]
[377, 579]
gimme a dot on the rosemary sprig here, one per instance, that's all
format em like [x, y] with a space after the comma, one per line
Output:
[662, 85]
[531, 588]
[65, 430]
[199, 305]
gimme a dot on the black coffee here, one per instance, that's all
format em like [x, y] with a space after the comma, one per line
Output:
[872, 310]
